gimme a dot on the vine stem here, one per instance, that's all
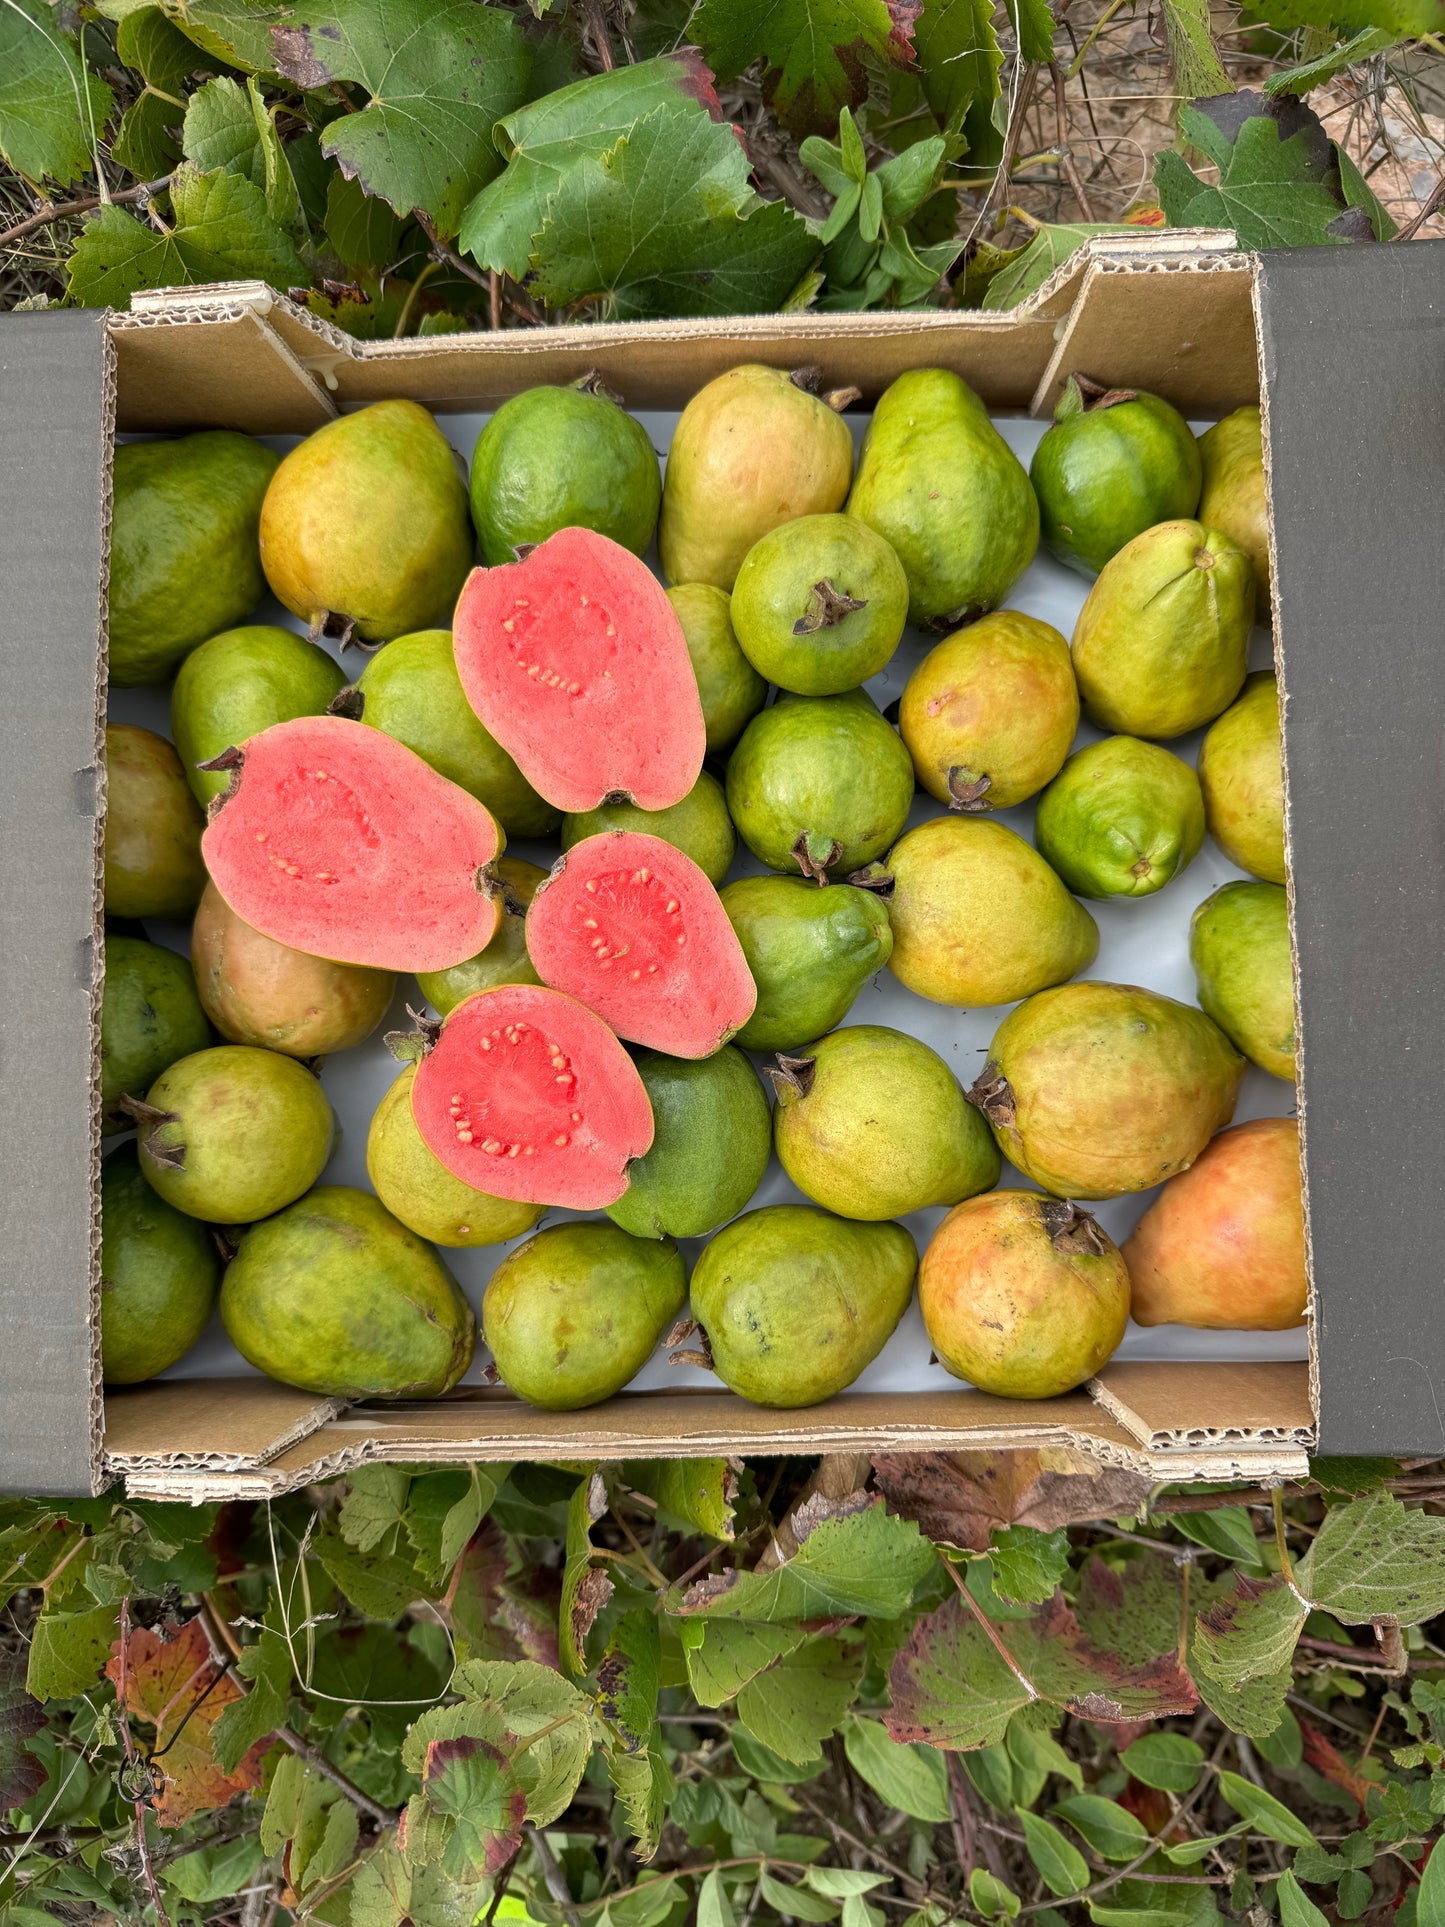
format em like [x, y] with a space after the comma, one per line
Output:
[142, 1844]
[65, 209]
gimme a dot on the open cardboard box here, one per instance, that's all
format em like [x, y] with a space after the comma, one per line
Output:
[1346, 349]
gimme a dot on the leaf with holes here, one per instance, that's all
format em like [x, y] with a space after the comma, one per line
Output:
[165, 1681]
[586, 1589]
[797, 1704]
[1373, 1559]
[440, 74]
[852, 1557]
[52, 111]
[959, 1498]
[627, 1678]
[812, 50]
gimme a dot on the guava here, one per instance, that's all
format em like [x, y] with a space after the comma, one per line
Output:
[795, 1302]
[810, 953]
[577, 1311]
[576, 662]
[978, 916]
[730, 689]
[990, 713]
[1120, 819]
[158, 1275]
[1112, 465]
[257, 991]
[1094, 1090]
[819, 604]
[232, 1134]
[711, 1139]
[523, 1093]
[365, 529]
[411, 691]
[1244, 968]
[1222, 1248]
[1240, 775]
[1234, 499]
[239, 683]
[632, 928]
[505, 959]
[756, 447]
[819, 784]
[871, 1123]
[1023, 1296]
[150, 1014]
[184, 558]
[339, 1298]
[558, 458]
[699, 826]
[1162, 642]
[937, 480]
[336, 840]
[153, 827]
[417, 1188]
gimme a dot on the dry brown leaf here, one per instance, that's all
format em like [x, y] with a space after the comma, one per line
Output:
[958, 1498]
[165, 1679]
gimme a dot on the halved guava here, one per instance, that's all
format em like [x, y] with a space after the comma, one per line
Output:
[576, 662]
[338, 841]
[633, 928]
[526, 1094]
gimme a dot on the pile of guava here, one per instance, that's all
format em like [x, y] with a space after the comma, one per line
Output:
[618, 849]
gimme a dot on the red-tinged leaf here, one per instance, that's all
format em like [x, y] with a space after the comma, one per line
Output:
[21, 1716]
[1331, 1764]
[959, 1498]
[474, 1782]
[1138, 1611]
[165, 1679]
[501, 1609]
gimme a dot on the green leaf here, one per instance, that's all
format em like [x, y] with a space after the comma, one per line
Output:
[798, 1702]
[391, 1891]
[1033, 25]
[1296, 1909]
[215, 1873]
[795, 1903]
[52, 111]
[991, 1897]
[220, 132]
[1188, 1853]
[445, 1507]
[714, 1909]
[145, 142]
[440, 73]
[913, 1779]
[1035, 1755]
[1051, 246]
[666, 222]
[1430, 1901]
[1229, 1531]
[1405, 18]
[586, 1589]
[991, 1769]
[1028, 1565]
[470, 1781]
[810, 50]
[1358, 193]
[958, 55]
[544, 140]
[851, 1559]
[1302, 79]
[1375, 1558]
[381, 1585]
[627, 1678]
[722, 1655]
[22, 1773]
[371, 1513]
[1111, 1830]
[644, 1785]
[843, 1883]
[283, 202]
[760, 1762]
[1249, 1633]
[267, 1668]
[906, 182]
[236, 31]
[1270, 190]
[1264, 1813]
[1283, 1747]
[1061, 1867]
[68, 1651]
[522, 1701]
[1348, 1478]
[1169, 1761]
[699, 1492]
[1198, 69]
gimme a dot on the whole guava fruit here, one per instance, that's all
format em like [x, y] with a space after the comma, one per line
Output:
[232, 1134]
[153, 828]
[505, 959]
[335, 1296]
[731, 690]
[1233, 499]
[365, 528]
[150, 1014]
[978, 916]
[710, 1144]
[1162, 642]
[558, 458]
[577, 1311]
[938, 481]
[410, 690]
[1240, 775]
[989, 713]
[158, 1275]
[1111, 466]
[870, 1123]
[184, 557]
[753, 448]
[819, 784]
[1023, 1296]
[1244, 967]
[810, 952]
[417, 1188]
[819, 604]
[795, 1302]
[1222, 1248]
[699, 826]
[257, 991]
[239, 683]
[1094, 1090]
[1120, 819]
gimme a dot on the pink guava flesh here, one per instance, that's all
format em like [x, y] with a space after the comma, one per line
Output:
[633, 928]
[576, 662]
[341, 842]
[527, 1095]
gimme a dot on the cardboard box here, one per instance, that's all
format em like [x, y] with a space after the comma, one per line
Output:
[1346, 349]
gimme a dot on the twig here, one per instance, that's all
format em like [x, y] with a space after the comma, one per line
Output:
[555, 1879]
[494, 300]
[898, 1873]
[597, 26]
[483, 280]
[1066, 157]
[963, 1834]
[66, 209]
[1432, 203]
[1286, 1569]
[142, 1844]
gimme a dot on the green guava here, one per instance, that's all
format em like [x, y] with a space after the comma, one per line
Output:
[810, 952]
[699, 826]
[153, 828]
[505, 959]
[731, 690]
[1244, 967]
[710, 1144]
[819, 604]
[1120, 819]
[150, 1014]
[158, 1275]
[417, 1188]
[1242, 781]
[1234, 499]
[239, 683]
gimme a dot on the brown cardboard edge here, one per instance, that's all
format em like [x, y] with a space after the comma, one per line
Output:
[1156, 1408]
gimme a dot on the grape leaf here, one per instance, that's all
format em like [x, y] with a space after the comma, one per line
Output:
[548, 136]
[165, 1681]
[724, 1654]
[1027, 1564]
[699, 1491]
[371, 1513]
[852, 1557]
[52, 111]
[1278, 176]
[1138, 1611]
[959, 58]
[220, 132]
[665, 223]
[796, 1704]
[145, 142]
[236, 31]
[1052, 245]
[1376, 1559]
[811, 49]
[68, 1651]
[1033, 25]
[222, 232]
[499, 1612]
[363, 230]
[21, 1772]
[440, 74]
[444, 1509]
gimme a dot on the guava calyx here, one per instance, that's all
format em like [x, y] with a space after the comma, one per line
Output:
[592, 384]
[958, 618]
[1084, 396]
[1073, 1232]
[827, 607]
[994, 1096]
[411, 1046]
[876, 877]
[335, 627]
[968, 789]
[699, 1354]
[171, 1157]
[816, 855]
[349, 702]
[810, 380]
[792, 1074]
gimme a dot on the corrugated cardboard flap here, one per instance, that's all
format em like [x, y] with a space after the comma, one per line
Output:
[219, 1426]
[1240, 1410]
